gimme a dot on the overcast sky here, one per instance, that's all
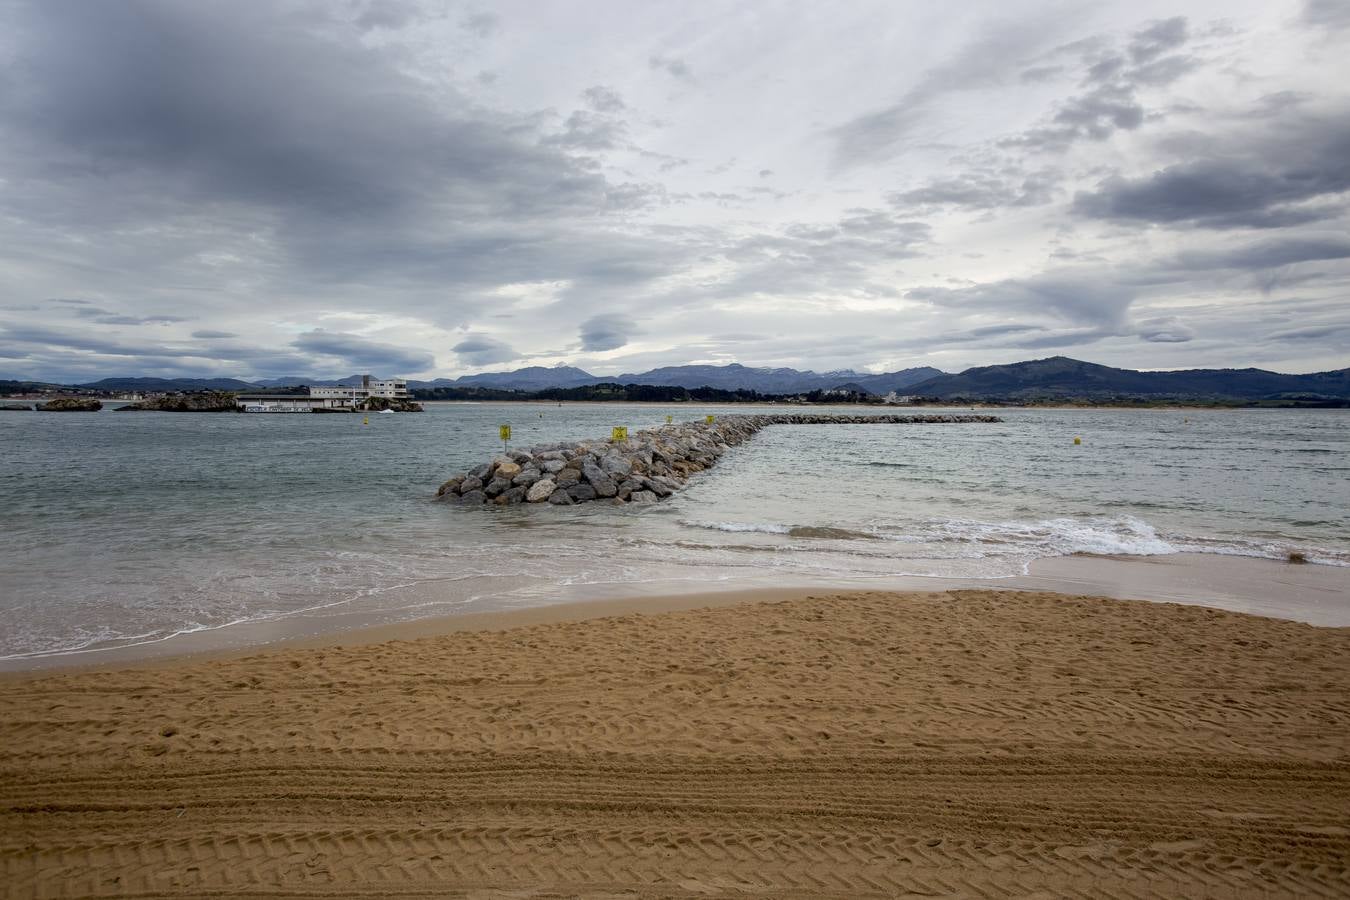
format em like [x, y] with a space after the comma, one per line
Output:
[430, 189]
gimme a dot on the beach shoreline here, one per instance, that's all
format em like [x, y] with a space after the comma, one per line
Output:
[1315, 594]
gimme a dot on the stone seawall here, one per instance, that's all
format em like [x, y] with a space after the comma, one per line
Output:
[647, 467]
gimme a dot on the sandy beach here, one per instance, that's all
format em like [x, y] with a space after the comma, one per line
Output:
[962, 743]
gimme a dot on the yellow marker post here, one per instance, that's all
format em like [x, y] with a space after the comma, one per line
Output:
[711, 419]
[366, 420]
[504, 431]
[669, 419]
[620, 433]
[1077, 441]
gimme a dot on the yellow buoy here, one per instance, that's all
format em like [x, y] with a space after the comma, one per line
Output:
[1077, 441]
[366, 420]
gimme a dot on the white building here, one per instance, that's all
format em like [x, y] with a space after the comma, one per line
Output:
[390, 389]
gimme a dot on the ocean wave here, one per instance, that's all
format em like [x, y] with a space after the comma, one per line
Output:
[1103, 536]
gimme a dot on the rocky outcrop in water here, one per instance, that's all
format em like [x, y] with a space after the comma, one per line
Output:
[380, 404]
[200, 401]
[646, 468]
[15, 407]
[71, 404]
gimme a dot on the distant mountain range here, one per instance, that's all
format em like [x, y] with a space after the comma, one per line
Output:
[1043, 379]
[730, 377]
[1060, 377]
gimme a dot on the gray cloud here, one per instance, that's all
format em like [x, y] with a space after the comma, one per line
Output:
[482, 24]
[1327, 13]
[982, 189]
[357, 352]
[673, 66]
[586, 130]
[1164, 330]
[1265, 254]
[1077, 297]
[607, 332]
[484, 350]
[988, 60]
[1157, 38]
[1266, 186]
[603, 99]
[208, 334]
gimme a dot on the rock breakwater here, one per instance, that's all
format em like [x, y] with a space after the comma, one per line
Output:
[647, 467]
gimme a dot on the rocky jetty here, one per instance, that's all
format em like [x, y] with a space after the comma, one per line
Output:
[199, 401]
[15, 407]
[70, 404]
[647, 467]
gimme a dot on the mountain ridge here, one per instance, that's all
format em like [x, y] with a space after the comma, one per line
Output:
[1051, 378]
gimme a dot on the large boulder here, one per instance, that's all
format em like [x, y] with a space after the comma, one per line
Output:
[603, 484]
[451, 486]
[528, 476]
[71, 404]
[560, 497]
[540, 491]
[507, 469]
[567, 477]
[616, 466]
[552, 465]
[497, 486]
[473, 497]
[513, 495]
[581, 492]
[472, 483]
[642, 497]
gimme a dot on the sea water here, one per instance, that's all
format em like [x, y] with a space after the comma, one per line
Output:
[127, 528]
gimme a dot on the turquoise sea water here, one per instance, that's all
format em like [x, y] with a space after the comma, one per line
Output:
[127, 528]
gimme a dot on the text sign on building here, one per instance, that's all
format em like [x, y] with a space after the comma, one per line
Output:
[620, 433]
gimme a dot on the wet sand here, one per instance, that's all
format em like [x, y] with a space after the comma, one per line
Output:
[959, 743]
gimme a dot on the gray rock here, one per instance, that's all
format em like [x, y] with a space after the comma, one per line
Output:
[497, 486]
[642, 497]
[603, 484]
[526, 477]
[541, 491]
[567, 477]
[553, 465]
[616, 466]
[472, 483]
[627, 486]
[514, 495]
[450, 487]
[560, 497]
[506, 470]
[481, 472]
[473, 497]
[581, 492]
